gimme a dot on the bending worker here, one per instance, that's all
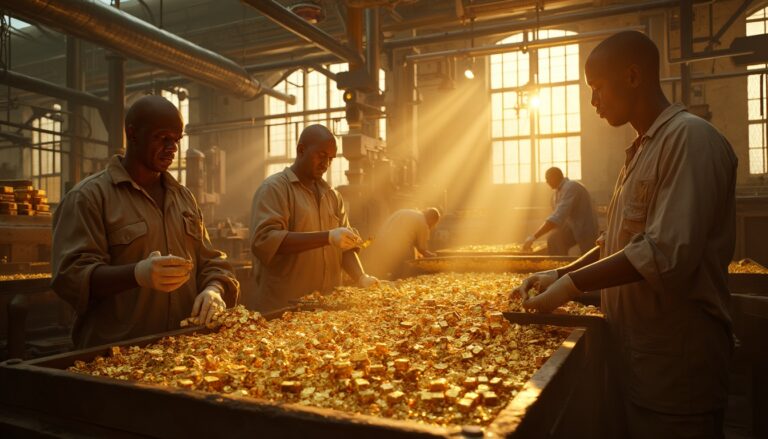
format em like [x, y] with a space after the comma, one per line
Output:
[663, 266]
[403, 236]
[130, 249]
[300, 233]
[574, 220]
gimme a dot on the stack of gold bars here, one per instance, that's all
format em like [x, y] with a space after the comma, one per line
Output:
[434, 349]
[7, 201]
[19, 197]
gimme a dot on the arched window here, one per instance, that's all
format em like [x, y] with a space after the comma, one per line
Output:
[318, 96]
[757, 101]
[535, 119]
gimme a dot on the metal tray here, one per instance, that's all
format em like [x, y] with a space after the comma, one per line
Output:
[748, 283]
[560, 400]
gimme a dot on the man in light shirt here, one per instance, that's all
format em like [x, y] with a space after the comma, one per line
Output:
[663, 266]
[573, 221]
[404, 235]
[300, 234]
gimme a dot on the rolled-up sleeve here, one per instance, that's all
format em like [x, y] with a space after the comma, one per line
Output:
[213, 266]
[79, 245]
[695, 174]
[269, 222]
[564, 205]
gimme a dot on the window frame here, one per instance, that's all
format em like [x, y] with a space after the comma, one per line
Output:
[528, 167]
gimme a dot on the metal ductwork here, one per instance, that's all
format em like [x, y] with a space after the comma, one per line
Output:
[109, 27]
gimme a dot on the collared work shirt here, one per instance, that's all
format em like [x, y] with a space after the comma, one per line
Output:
[108, 219]
[673, 214]
[573, 208]
[282, 204]
[402, 233]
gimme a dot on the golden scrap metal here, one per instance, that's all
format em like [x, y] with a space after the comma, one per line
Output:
[421, 349]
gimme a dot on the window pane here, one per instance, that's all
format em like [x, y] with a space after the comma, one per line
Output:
[757, 24]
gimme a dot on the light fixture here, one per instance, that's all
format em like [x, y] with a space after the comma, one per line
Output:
[534, 101]
[469, 72]
[310, 11]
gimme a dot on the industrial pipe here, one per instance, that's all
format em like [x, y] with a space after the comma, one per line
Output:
[28, 83]
[112, 28]
[511, 47]
[298, 26]
[520, 25]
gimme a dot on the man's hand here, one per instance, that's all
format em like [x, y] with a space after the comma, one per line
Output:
[542, 280]
[528, 244]
[366, 280]
[207, 303]
[343, 238]
[162, 273]
[560, 292]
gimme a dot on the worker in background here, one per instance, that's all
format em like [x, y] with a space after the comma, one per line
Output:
[300, 233]
[403, 237]
[663, 266]
[130, 250]
[573, 222]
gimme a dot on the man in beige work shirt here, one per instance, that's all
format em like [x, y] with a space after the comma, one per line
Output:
[663, 265]
[300, 233]
[404, 234]
[130, 250]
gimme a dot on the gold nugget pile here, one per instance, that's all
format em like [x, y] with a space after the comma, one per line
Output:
[494, 264]
[433, 349]
[486, 248]
[22, 276]
[746, 266]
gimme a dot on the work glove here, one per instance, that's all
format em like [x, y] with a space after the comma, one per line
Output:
[162, 273]
[541, 280]
[528, 244]
[343, 238]
[560, 292]
[206, 305]
[366, 280]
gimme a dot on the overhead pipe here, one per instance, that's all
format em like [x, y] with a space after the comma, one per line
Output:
[520, 25]
[373, 43]
[355, 24]
[512, 47]
[123, 33]
[298, 26]
[28, 83]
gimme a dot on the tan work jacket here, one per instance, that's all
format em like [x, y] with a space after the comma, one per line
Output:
[108, 219]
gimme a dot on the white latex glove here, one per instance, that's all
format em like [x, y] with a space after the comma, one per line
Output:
[528, 244]
[207, 303]
[162, 273]
[542, 280]
[560, 292]
[366, 280]
[343, 238]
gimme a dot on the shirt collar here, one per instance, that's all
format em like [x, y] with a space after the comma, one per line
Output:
[560, 186]
[119, 174]
[322, 184]
[663, 118]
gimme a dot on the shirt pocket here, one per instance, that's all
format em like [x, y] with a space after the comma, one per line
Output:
[635, 212]
[193, 226]
[127, 234]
